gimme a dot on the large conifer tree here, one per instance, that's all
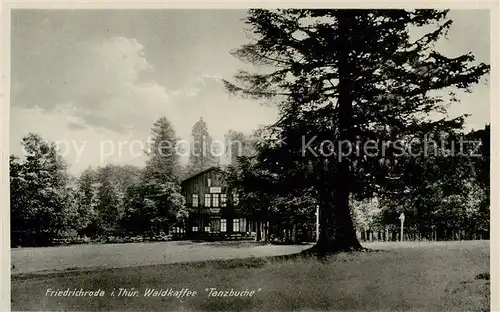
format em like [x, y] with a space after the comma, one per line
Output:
[163, 163]
[201, 155]
[347, 76]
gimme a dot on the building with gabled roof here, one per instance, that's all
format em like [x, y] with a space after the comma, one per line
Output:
[213, 207]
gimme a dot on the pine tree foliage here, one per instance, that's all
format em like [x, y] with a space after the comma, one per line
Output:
[347, 76]
[163, 163]
[202, 153]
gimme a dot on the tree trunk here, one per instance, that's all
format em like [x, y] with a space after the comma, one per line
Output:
[337, 232]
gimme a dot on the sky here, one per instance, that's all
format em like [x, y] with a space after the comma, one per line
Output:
[96, 80]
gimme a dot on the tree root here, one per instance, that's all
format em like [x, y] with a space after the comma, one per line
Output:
[321, 250]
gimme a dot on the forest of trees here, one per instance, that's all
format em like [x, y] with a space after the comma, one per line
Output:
[48, 205]
[335, 75]
[447, 197]
[106, 203]
[450, 200]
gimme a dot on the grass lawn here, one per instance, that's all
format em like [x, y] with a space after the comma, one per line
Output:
[76, 257]
[433, 277]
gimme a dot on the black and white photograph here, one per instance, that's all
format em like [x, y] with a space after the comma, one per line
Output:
[249, 158]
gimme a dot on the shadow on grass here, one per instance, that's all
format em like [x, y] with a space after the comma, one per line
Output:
[395, 280]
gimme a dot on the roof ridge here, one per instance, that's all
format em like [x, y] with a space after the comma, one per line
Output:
[202, 172]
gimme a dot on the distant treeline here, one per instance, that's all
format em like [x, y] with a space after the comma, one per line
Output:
[448, 197]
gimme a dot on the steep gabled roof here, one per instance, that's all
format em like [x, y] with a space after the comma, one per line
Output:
[201, 172]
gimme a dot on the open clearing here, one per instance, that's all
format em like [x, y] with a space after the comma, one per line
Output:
[49, 259]
[406, 276]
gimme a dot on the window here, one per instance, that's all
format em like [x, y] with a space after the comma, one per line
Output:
[207, 229]
[209, 182]
[215, 200]
[236, 199]
[178, 230]
[207, 200]
[195, 229]
[195, 200]
[236, 225]
[223, 225]
[223, 200]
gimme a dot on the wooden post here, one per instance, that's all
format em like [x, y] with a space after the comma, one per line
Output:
[402, 218]
[317, 222]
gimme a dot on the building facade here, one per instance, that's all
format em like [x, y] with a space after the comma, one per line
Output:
[212, 206]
